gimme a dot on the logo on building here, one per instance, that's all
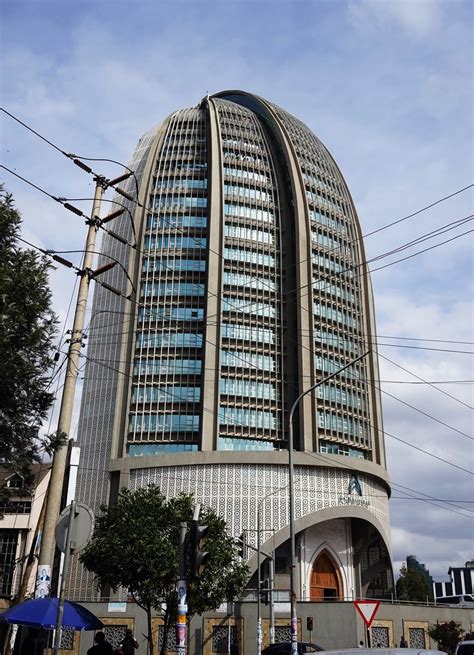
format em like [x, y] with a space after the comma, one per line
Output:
[354, 494]
[354, 488]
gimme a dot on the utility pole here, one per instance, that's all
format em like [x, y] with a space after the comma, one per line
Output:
[53, 503]
[62, 586]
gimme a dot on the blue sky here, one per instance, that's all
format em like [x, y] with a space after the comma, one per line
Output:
[387, 85]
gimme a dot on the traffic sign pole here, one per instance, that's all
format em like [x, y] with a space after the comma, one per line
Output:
[62, 592]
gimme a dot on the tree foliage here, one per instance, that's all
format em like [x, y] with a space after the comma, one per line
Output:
[448, 635]
[136, 545]
[412, 586]
[27, 329]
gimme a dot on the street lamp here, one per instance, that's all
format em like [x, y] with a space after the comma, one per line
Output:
[294, 619]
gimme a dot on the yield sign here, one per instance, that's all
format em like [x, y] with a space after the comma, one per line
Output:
[367, 609]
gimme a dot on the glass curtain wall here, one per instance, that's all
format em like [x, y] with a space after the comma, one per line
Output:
[166, 390]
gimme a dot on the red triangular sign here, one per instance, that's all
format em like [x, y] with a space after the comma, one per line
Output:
[367, 609]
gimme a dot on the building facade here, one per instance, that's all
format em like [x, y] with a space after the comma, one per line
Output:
[414, 565]
[19, 516]
[245, 285]
[461, 581]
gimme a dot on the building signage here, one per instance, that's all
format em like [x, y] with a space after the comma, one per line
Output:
[354, 494]
[116, 607]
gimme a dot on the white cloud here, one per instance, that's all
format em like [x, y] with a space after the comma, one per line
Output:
[418, 17]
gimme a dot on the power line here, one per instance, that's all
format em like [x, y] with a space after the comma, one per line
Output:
[463, 343]
[426, 452]
[59, 200]
[375, 386]
[128, 363]
[447, 501]
[76, 159]
[114, 202]
[431, 384]
[326, 458]
[447, 462]
[435, 232]
[443, 199]
[419, 211]
[54, 254]
[420, 411]
[420, 252]
[64, 202]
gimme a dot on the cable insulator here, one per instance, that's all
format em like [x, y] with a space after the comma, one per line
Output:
[109, 288]
[81, 164]
[125, 194]
[73, 209]
[119, 179]
[103, 269]
[62, 261]
[113, 215]
[118, 237]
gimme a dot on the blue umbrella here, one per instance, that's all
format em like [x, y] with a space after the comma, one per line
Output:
[43, 612]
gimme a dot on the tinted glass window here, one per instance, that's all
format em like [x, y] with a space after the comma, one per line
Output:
[466, 649]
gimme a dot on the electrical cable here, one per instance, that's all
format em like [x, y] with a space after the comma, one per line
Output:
[388, 394]
[113, 202]
[431, 384]
[364, 236]
[397, 250]
[447, 462]
[53, 254]
[363, 265]
[420, 411]
[152, 209]
[128, 363]
[101, 254]
[71, 156]
[437, 232]
[408, 217]
[325, 458]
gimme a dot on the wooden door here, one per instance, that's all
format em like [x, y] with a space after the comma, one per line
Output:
[325, 579]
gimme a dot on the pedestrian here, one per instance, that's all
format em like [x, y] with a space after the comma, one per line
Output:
[234, 647]
[129, 643]
[361, 644]
[403, 642]
[102, 646]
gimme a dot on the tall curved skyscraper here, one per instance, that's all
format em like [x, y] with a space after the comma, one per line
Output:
[248, 285]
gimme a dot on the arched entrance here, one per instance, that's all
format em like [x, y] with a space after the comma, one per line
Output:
[326, 583]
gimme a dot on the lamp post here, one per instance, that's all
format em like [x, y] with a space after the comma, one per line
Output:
[294, 618]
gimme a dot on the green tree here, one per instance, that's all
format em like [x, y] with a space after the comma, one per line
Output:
[448, 635]
[135, 545]
[27, 330]
[412, 586]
